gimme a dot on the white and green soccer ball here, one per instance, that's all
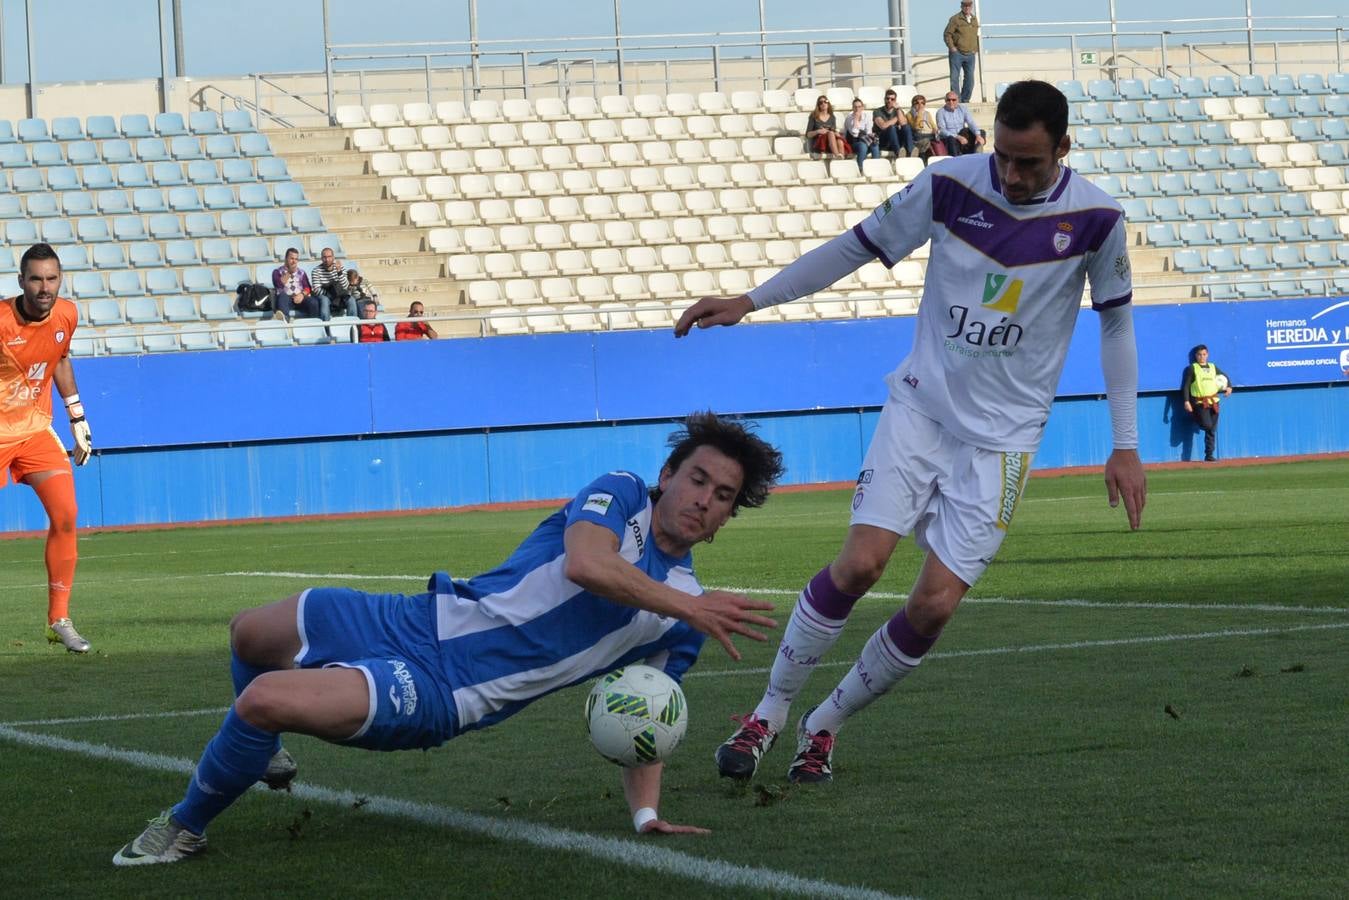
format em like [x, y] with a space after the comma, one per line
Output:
[636, 715]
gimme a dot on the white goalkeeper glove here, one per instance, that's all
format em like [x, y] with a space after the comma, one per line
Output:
[79, 430]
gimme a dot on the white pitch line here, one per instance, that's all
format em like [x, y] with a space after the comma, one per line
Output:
[631, 853]
[117, 717]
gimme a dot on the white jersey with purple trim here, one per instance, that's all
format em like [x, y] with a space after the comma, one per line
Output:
[1002, 293]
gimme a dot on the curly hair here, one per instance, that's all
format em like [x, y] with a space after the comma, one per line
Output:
[759, 460]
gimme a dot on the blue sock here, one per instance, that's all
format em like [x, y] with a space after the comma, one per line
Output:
[243, 673]
[234, 759]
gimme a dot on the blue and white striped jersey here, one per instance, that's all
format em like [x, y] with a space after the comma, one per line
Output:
[522, 630]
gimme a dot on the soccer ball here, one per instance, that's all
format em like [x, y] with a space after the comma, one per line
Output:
[636, 715]
[1221, 382]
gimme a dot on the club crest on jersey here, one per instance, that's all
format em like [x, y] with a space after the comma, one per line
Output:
[1063, 237]
[60, 337]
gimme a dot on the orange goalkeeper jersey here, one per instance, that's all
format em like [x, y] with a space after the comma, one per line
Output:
[29, 354]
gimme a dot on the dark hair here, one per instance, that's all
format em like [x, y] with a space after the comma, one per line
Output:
[36, 252]
[1026, 102]
[1194, 351]
[760, 460]
[290, 250]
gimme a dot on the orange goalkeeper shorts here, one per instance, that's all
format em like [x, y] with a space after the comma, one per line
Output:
[41, 452]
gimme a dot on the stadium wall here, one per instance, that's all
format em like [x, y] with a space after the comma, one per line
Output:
[361, 428]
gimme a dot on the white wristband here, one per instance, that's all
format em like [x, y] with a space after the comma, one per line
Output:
[72, 400]
[642, 816]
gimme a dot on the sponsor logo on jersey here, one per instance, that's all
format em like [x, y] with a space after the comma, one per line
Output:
[1122, 266]
[1002, 293]
[16, 341]
[37, 371]
[636, 528]
[977, 220]
[598, 503]
[407, 686]
[1015, 469]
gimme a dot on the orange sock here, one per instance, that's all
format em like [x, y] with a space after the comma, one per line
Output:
[57, 494]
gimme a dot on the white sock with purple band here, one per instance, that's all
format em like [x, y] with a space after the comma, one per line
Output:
[890, 654]
[817, 620]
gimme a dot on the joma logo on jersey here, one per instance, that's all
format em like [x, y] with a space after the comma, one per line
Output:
[1002, 293]
[37, 371]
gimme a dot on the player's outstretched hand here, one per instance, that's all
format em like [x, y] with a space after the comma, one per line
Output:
[660, 826]
[84, 440]
[711, 311]
[1124, 478]
[720, 614]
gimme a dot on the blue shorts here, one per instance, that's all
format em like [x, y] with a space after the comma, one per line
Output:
[391, 639]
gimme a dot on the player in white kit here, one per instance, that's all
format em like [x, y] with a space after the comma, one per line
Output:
[1015, 235]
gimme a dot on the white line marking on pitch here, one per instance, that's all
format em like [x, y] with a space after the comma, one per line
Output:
[631, 853]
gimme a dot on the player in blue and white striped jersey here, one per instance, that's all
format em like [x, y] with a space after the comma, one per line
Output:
[604, 582]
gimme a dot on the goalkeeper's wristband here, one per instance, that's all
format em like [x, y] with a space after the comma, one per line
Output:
[642, 816]
[74, 408]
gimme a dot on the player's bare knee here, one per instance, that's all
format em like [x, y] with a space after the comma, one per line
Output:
[857, 573]
[263, 704]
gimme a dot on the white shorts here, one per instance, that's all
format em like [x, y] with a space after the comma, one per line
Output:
[957, 500]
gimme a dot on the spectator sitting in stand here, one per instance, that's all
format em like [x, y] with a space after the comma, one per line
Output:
[956, 128]
[361, 288]
[329, 279]
[921, 127]
[294, 295]
[368, 330]
[892, 128]
[822, 130]
[857, 128]
[414, 331]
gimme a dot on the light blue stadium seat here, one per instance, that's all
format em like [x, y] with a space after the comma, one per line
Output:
[1178, 159]
[1096, 113]
[201, 225]
[1127, 112]
[1267, 180]
[1261, 231]
[168, 124]
[1136, 211]
[74, 257]
[88, 285]
[1167, 209]
[219, 197]
[273, 168]
[272, 221]
[64, 178]
[148, 200]
[145, 254]
[1262, 205]
[255, 250]
[237, 171]
[33, 130]
[151, 150]
[1236, 182]
[1335, 129]
[1254, 259]
[1141, 185]
[1189, 110]
[281, 242]
[136, 125]
[1253, 86]
[1284, 287]
[1308, 106]
[101, 128]
[289, 193]
[47, 154]
[203, 121]
[1200, 208]
[1250, 286]
[1151, 134]
[1133, 89]
[1279, 108]
[271, 334]
[203, 171]
[1173, 184]
[133, 175]
[263, 271]
[1123, 136]
[143, 311]
[1338, 82]
[1072, 90]
[1000, 88]
[221, 146]
[1222, 259]
[1283, 84]
[41, 206]
[1182, 134]
[6, 132]
[122, 341]
[317, 242]
[236, 223]
[57, 231]
[168, 174]
[25, 180]
[1209, 158]
[254, 196]
[1157, 111]
[112, 203]
[1305, 131]
[1205, 183]
[67, 128]
[162, 281]
[236, 337]
[306, 219]
[11, 207]
[83, 153]
[308, 332]
[1223, 86]
[1341, 281]
[1102, 89]
[254, 144]
[184, 199]
[237, 121]
[185, 147]
[1323, 228]
[1090, 138]
[180, 308]
[161, 340]
[13, 156]
[1313, 286]
[1226, 232]
[1116, 162]
[165, 227]
[1219, 287]
[7, 265]
[1287, 256]
[217, 251]
[1337, 105]
[181, 253]
[199, 280]
[1232, 208]
[104, 311]
[19, 232]
[93, 230]
[1163, 234]
[198, 340]
[1331, 154]
[1195, 234]
[217, 306]
[1342, 253]
[1294, 204]
[1193, 88]
[118, 152]
[234, 275]
[1319, 255]
[1111, 184]
[1241, 157]
[125, 229]
[1191, 262]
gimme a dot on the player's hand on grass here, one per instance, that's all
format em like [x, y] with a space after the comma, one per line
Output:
[720, 614]
[711, 311]
[1125, 479]
[660, 826]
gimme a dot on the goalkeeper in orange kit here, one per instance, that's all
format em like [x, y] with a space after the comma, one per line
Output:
[35, 332]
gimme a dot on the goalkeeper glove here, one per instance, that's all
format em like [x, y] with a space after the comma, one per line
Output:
[84, 442]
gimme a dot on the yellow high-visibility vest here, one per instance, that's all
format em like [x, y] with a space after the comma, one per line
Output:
[1205, 382]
